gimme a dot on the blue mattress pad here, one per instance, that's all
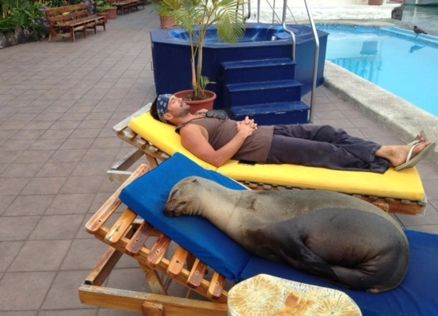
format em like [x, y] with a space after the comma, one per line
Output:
[417, 295]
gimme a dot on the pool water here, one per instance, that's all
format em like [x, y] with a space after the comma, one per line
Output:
[392, 58]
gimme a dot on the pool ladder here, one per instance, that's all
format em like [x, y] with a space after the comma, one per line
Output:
[285, 27]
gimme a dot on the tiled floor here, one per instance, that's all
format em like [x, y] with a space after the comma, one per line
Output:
[58, 102]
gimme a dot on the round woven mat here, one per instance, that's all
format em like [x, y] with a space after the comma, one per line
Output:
[265, 295]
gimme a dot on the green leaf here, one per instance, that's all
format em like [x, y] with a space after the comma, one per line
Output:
[196, 16]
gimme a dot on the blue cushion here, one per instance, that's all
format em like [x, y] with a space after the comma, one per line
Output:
[147, 197]
[416, 295]
[148, 194]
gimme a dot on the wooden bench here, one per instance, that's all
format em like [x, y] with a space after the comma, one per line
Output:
[125, 5]
[71, 19]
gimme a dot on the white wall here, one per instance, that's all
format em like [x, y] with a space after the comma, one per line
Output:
[324, 10]
[328, 2]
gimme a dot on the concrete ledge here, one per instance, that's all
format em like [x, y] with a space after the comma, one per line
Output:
[401, 116]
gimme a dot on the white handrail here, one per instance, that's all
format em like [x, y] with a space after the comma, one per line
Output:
[315, 59]
[315, 37]
[258, 11]
[248, 15]
[292, 34]
[275, 16]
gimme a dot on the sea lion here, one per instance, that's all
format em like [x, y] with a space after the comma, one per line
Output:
[343, 238]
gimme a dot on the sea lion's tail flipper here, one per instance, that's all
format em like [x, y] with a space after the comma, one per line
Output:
[291, 248]
[307, 261]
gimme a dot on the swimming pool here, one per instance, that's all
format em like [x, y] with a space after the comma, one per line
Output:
[392, 58]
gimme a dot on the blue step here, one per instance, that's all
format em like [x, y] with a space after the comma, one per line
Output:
[273, 113]
[258, 70]
[236, 94]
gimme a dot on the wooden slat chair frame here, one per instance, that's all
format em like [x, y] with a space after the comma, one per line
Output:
[155, 156]
[72, 19]
[129, 235]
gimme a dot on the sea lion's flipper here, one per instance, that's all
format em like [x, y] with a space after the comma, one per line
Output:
[289, 245]
[307, 260]
[359, 279]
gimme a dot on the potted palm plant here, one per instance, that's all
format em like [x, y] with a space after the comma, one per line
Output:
[197, 17]
[165, 10]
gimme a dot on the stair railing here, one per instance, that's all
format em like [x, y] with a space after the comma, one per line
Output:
[275, 16]
[292, 34]
[315, 59]
[288, 30]
[248, 13]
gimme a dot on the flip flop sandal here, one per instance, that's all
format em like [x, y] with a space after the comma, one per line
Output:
[421, 135]
[412, 161]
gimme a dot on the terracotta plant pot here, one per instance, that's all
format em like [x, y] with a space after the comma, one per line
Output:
[197, 104]
[167, 22]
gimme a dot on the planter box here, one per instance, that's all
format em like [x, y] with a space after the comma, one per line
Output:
[19, 36]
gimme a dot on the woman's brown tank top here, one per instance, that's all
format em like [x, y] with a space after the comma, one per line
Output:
[220, 132]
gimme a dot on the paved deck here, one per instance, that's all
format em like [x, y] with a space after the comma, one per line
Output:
[58, 102]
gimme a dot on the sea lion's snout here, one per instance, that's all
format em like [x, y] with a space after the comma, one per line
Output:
[175, 207]
[180, 198]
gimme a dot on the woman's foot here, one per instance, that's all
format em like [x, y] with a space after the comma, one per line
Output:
[399, 154]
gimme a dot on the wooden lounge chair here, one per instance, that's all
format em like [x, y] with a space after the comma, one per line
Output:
[127, 236]
[143, 232]
[400, 192]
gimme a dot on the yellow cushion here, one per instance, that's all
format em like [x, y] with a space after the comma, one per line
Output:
[404, 184]
[163, 136]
